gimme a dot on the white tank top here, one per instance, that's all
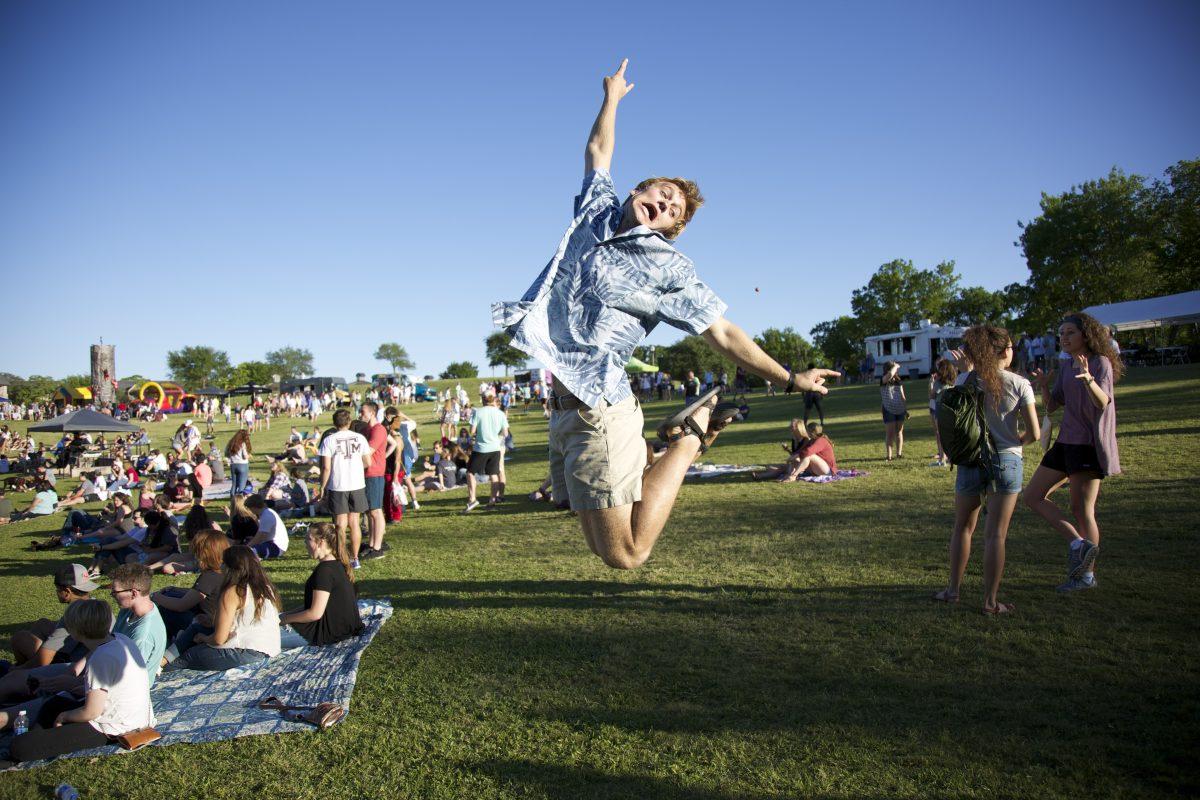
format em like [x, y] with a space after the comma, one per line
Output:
[261, 635]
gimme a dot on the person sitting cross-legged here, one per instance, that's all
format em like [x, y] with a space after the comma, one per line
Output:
[330, 612]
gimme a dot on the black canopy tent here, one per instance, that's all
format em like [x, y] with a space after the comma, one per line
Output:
[210, 391]
[84, 419]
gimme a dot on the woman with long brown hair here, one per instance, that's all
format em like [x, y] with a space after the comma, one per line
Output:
[1010, 411]
[330, 611]
[1086, 449]
[246, 628]
[239, 450]
[187, 612]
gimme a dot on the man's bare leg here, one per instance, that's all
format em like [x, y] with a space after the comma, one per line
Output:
[624, 536]
[378, 524]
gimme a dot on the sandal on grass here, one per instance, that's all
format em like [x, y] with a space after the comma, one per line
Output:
[998, 609]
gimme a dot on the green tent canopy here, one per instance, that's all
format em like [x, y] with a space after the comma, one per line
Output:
[637, 366]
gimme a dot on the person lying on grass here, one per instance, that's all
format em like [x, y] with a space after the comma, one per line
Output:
[330, 612]
[811, 455]
[117, 699]
[246, 628]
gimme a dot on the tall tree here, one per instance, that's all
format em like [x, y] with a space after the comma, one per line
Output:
[899, 292]
[291, 362]
[1177, 217]
[694, 353]
[395, 355]
[1094, 244]
[34, 389]
[198, 366]
[840, 339]
[259, 372]
[460, 369]
[500, 353]
[788, 347]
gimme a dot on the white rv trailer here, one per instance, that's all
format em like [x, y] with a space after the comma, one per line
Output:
[915, 349]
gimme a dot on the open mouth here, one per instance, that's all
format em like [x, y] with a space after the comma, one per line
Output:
[651, 211]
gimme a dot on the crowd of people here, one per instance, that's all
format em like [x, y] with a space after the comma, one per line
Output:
[368, 467]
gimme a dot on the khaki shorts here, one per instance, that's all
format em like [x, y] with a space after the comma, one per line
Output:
[597, 455]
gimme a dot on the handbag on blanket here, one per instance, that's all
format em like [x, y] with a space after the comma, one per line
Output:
[139, 738]
[321, 716]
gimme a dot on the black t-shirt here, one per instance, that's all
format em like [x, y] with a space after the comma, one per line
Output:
[341, 619]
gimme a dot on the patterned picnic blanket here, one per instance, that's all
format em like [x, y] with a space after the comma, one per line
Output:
[716, 470]
[196, 706]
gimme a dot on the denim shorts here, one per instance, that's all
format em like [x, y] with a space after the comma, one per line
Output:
[1008, 470]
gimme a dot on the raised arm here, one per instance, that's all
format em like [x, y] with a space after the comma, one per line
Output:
[732, 342]
[599, 151]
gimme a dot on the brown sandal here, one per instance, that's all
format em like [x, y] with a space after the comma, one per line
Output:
[322, 715]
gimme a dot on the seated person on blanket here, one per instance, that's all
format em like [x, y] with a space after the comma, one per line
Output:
[196, 521]
[46, 641]
[615, 276]
[811, 455]
[187, 612]
[93, 487]
[271, 539]
[246, 628]
[243, 525]
[330, 613]
[117, 692]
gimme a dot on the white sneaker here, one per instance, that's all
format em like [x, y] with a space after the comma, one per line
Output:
[416, 505]
[471, 506]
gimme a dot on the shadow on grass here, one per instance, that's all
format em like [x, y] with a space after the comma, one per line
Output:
[569, 783]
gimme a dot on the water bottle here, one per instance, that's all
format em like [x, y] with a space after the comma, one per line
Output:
[21, 725]
[66, 791]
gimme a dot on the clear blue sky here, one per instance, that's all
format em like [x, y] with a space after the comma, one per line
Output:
[336, 175]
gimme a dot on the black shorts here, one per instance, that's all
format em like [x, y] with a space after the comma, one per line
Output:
[1072, 458]
[354, 502]
[485, 463]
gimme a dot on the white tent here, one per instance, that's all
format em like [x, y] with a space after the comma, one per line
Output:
[1153, 312]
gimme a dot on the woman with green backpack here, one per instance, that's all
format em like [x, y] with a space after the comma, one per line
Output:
[1010, 421]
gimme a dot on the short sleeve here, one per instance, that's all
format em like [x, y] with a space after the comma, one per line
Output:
[103, 672]
[597, 206]
[1025, 395]
[57, 640]
[325, 580]
[1102, 372]
[692, 307]
[326, 448]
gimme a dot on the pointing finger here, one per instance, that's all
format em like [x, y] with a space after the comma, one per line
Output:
[621, 69]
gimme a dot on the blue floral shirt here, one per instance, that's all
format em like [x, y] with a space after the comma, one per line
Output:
[601, 295]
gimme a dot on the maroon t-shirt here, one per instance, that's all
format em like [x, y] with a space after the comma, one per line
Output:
[377, 438]
[822, 447]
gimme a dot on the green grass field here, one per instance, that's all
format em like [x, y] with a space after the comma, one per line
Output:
[779, 643]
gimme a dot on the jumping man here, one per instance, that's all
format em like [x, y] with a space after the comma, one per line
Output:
[614, 277]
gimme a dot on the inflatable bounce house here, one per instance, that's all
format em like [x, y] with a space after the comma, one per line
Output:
[166, 395]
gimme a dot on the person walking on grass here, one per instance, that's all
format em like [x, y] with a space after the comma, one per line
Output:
[1086, 450]
[895, 409]
[1012, 421]
[489, 430]
[614, 277]
[345, 456]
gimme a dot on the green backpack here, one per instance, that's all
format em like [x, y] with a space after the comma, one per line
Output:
[962, 425]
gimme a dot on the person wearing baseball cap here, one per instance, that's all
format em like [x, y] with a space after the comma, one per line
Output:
[46, 641]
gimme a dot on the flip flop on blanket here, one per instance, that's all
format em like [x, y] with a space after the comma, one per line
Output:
[322, 716]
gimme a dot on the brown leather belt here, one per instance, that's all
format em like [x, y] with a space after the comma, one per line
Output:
[565, 402]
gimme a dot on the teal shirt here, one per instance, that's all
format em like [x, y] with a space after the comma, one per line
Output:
[489, 423]
[148, 633]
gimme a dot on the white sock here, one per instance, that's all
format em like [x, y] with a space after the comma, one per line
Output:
[1089, 576]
